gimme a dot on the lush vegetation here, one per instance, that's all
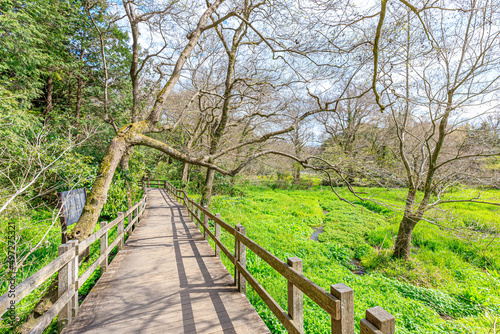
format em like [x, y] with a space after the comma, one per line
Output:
[449, 286]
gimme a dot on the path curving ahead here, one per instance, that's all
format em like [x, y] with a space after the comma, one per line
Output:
[166, 280]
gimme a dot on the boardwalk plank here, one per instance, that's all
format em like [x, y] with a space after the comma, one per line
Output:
[166, 280]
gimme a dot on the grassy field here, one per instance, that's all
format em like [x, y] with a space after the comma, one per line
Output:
[449, 286]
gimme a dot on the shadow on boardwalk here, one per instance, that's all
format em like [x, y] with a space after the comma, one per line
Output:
[166, 280]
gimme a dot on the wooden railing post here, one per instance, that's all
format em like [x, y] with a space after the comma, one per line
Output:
[148, 183]
[64, 281]
[104, 246]
[241, 257]
[129, 221]
[136, 213]
[345, 325]
[378, 321]
[295, 296]
[119, 230]
[195, 211]
[165, 184]
[217, 236]
[199, 217]
[205, 223]
[74, 278]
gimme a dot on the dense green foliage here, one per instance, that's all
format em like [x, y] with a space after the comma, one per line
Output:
[448, 286]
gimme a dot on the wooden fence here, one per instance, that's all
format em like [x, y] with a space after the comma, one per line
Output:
[339, 303]
[67, 267]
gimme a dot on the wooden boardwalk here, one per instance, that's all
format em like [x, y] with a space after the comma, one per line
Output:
[166, 280]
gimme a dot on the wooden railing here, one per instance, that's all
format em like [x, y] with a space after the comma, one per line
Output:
[66, 265]
[339, 303]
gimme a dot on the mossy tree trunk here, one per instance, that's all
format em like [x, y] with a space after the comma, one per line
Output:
[207, 188]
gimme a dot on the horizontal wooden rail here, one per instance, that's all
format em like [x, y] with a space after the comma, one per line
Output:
[66, 264]
[51, 313]
[339, 304]
[34, 281]
[325, 300]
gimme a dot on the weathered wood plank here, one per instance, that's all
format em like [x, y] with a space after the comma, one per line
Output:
[344, 325]
[295, 296]
[48, 316]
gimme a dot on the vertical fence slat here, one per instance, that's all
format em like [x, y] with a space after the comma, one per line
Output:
[104, 246]
[295, 296]
[217, 236]
[119, 229]
[64, 281]
[74, 279]
[345, 325]
[377, 319]
[136, 213]
[241, 257]
[129, 221]
[205, 223]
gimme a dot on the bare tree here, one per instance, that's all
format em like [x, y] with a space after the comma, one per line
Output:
[446, 78]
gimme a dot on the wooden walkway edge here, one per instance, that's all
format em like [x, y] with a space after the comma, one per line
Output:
[166, 280]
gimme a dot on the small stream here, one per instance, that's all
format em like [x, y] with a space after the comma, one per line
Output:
[357, 268]
[317, 232]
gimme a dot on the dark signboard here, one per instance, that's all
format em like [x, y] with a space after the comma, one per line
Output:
[72, 203]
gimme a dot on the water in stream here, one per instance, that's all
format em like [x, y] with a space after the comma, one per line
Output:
[317, 231]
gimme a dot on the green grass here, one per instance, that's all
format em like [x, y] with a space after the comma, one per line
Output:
[449, 286]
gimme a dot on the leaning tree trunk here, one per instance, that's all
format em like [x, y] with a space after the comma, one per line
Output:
[207, 189]
[98, 194]
[403, 241]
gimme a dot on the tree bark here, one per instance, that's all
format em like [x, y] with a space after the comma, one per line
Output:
[296, 173]
[124, 167]
[207, 189]
[402, 248]
[185, 169]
